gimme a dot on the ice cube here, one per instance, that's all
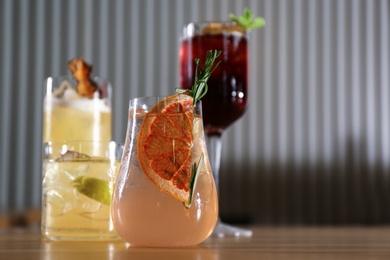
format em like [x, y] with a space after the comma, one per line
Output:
[70, 155]
[89, 208]
[59, 201]
[73, 164]
[86, 205]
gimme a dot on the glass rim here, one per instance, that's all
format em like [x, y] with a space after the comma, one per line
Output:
[154, 98]
[204, 22]
[53, 83]
[222, 27]
[72, 79]
[147, 102]
[56, 142]
[91, 148]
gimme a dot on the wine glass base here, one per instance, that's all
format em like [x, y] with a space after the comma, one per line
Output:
[224, 230]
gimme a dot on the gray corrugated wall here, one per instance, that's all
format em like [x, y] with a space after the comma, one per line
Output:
[314, 146]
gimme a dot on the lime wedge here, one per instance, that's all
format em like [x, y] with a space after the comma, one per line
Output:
[94, 188]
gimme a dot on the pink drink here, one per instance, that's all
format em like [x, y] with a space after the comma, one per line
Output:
[143, 215]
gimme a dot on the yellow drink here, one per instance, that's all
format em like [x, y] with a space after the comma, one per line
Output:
[76, 197]
[72, 122]
[69, 116]
[144, 215]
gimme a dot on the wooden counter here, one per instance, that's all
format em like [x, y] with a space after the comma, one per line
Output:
[266, 243]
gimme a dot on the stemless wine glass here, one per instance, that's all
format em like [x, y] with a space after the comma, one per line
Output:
[165, 193]
[227, 95]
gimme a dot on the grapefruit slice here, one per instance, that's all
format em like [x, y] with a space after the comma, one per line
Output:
[164, 145]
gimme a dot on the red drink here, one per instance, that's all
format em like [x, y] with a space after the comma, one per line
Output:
[226, 98]
[227, 94]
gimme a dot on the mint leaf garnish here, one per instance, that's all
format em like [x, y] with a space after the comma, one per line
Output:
[247, 20]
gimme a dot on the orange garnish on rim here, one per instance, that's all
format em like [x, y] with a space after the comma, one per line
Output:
[165, 138]
[164, 145]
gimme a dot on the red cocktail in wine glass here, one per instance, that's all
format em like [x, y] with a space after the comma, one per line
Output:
[227, 94]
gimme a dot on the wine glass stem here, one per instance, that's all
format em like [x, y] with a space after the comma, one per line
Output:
[214, 148]
[214, 145]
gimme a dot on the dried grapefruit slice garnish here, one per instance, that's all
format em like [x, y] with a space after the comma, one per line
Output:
[165, 137]
[164, 145]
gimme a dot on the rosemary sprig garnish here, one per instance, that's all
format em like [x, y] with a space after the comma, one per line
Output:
[200, 88]
[195, 169]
